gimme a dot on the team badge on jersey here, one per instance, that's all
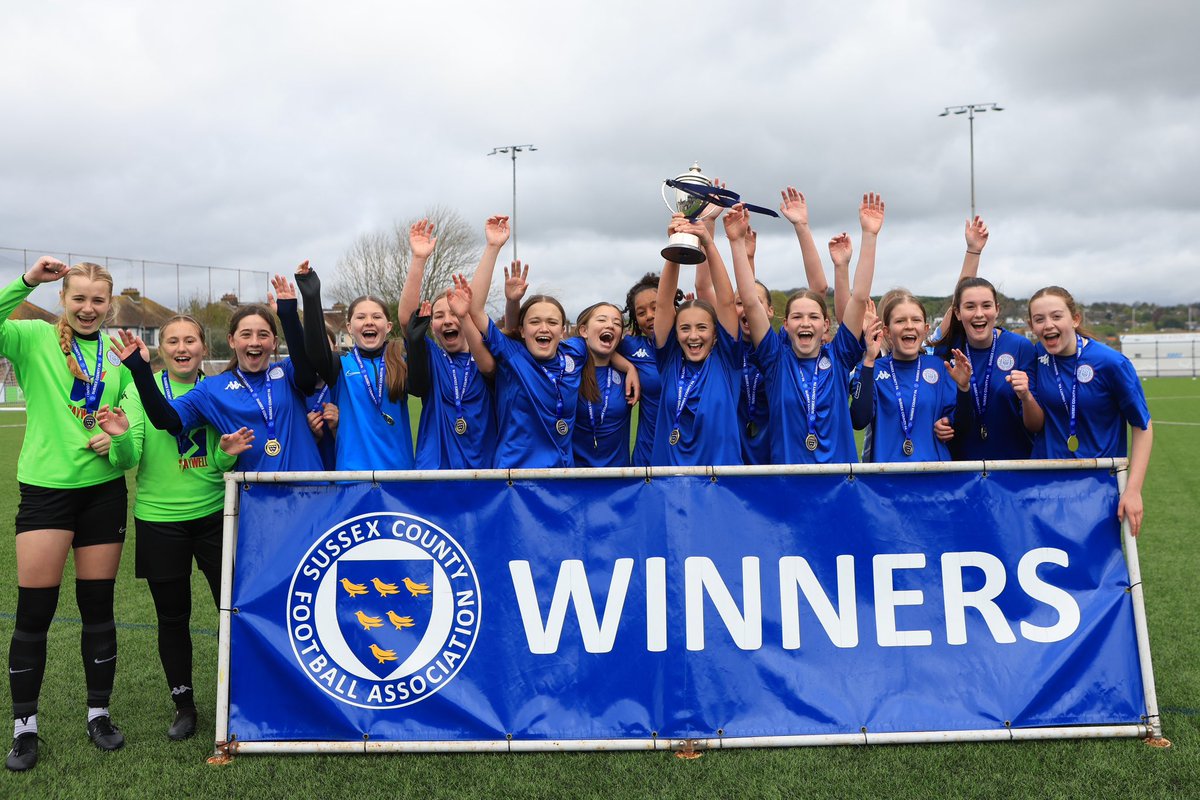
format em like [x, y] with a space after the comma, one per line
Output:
[383, 610]
[1005, 362]
[276, 373]
[929, 375]
[824, 363]
[1085, 373]
[568, 364]
[113, 358]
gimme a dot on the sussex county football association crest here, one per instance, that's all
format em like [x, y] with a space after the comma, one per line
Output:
[383, 610]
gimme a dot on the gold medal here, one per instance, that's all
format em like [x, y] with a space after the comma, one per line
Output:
[983, 432]
[1073, 443]
[811, 442]
[460, 426]
[908, 447]
[562, 427]
[89, 421]
[674, 440]
[272, 447]
[388, 418]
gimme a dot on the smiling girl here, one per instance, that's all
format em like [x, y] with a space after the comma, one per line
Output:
[808, 380]
[997, 412]
[1088, 392]
[602, 417]
[71, 497]
[178, 510]
[906, 394]
[696, 347]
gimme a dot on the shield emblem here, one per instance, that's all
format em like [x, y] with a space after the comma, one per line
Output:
[383, 609]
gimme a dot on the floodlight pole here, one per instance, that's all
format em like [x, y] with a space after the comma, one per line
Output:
[970, 109]
[513, 149]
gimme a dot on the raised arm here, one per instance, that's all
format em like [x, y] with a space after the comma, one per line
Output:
[136, 357]
[293, 334]
[736, 229]
[496, 233]
[870, 218]
[516, 284]
[976, 234]
[795, 210]
[664, 309]
[419, 379]
[316, 342]
[840, 251]
[462, 305]
[723, 296]
[421, 242]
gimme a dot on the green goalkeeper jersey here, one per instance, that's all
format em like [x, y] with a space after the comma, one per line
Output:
[179, 478]
[55, 453]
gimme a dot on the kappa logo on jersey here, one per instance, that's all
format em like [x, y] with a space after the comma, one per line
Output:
[1044, 360]
[1085, 373]
[929, 375]
[641, 353]
[383, 610]
[1005, 362]
[233, 385]
[882, 375]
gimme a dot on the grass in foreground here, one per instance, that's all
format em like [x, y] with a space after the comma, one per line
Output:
[151, 765]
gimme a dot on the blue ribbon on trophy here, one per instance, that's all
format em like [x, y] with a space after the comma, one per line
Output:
[696, 198]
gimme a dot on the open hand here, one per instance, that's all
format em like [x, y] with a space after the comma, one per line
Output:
[421, 240]
[870, 213]
[238, 442]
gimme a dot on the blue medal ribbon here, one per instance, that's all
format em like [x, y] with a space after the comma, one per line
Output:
[751, 389]
[268, 411]
[1069, 408]
[682, 394]
[380, 373]
[810, 398]
[182, 440]
[460, 393]
[322, 398]
[91, 394]
[906, 422]
[981, 403]
[556, 381]
[604, 408]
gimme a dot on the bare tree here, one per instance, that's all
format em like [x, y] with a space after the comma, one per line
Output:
[377, 263]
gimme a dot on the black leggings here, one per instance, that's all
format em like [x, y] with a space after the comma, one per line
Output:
[173, 605]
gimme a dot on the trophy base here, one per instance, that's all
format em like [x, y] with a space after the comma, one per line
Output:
[681, 251]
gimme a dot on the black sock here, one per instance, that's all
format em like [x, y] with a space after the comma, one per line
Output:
[98, 642]
[27, 653]
[173, 605]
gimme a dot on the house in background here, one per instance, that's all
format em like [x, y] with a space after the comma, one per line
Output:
[143, 316]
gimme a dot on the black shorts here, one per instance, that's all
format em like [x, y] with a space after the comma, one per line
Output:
[95, 514]
[163, 551]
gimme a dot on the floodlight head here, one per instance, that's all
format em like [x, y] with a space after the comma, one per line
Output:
[945, 113]
[996, 107]
[960, 111]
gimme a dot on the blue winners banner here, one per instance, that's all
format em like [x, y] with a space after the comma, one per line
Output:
[683, 607]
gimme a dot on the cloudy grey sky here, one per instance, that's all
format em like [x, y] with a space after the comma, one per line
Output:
[258, 134]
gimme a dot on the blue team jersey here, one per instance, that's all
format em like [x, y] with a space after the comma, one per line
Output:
[707, 421]
[640, 352]
[225, 402]
[531, 398]
[1006, 434]
[365, 439]
[754, 413]
[439, 443]
[601, 430]
[936, 397]
[787, 375]
[1109, 394]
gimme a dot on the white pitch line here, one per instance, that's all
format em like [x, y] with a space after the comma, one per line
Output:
[1158, 422]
